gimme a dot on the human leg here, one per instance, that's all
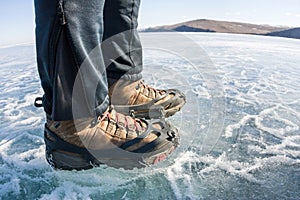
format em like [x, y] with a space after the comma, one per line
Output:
[122, 52]
[122, 49]
[67, 33]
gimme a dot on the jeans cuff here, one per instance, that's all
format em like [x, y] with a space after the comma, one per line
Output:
[126, 77]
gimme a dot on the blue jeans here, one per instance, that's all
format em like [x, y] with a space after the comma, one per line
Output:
[68, 32]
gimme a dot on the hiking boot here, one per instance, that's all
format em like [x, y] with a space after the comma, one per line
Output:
[113, 139]
[140, 100]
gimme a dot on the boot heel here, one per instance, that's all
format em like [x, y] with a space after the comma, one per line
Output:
[66, 161]
[65, 156]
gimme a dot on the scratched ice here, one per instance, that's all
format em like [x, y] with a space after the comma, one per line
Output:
[257, 155]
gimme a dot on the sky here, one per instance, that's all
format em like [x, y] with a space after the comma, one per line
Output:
[17, 16]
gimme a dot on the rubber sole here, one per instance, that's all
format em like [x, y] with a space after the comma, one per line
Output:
[117, 157]
[64, 161]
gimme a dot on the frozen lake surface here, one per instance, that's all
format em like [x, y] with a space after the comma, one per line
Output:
[240, 136]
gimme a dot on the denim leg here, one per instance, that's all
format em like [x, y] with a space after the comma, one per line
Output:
[68, 38]
[122, 48]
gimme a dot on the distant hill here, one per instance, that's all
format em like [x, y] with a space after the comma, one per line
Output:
[204, 25]
[290, 33]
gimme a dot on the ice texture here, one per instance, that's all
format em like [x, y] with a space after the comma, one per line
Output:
[256, 154]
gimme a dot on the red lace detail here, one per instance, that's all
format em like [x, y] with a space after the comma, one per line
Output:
[137, 124]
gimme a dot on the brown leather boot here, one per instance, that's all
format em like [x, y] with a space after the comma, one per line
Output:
[113, 139]
[140, 100]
